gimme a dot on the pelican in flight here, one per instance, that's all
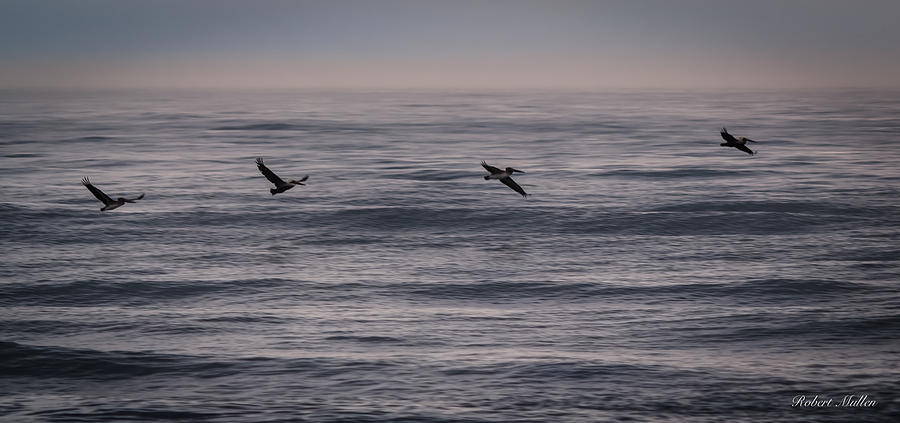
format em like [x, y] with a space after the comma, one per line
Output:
[108, 203]
[739, 143]
[280, 184]
[503, 176]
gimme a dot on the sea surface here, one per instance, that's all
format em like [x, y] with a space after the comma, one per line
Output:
[652, 275]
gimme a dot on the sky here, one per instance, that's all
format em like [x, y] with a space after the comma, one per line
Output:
[458, 44]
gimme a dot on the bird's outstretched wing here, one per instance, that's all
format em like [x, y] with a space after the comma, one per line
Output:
[296, 182]
[490, 168]
[271, 176]
[744, 148]
[512, 184]
[131, 200]
[96, 191]
[728, 137]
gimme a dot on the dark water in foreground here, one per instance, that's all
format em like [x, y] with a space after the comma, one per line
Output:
[652, 276]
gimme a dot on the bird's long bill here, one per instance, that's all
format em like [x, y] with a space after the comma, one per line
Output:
[517, 170]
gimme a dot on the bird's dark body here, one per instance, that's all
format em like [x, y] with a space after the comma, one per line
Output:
[741, 147]
[731, 141]
[280, 189]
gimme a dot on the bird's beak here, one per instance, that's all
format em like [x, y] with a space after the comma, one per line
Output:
[517, 170]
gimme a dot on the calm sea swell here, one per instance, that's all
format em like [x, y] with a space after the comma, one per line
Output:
[652, 275]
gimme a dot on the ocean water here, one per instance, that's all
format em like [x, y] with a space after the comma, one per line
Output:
[652, 275]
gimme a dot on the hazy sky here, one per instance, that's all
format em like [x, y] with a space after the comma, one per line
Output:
[450, 44]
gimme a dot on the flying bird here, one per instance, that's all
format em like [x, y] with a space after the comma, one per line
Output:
[739, 143]
[504, 176]
[280, 184]
[108, 203]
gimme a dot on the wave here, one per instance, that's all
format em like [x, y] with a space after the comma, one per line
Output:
[22, 155]
[319, 127]
[836, 330]
[562, 220]
[669, 174]
[92, 138]
[752, 291]
[133, 292]
[54, 362]
[261, 127]
[556, 369]
[142, 292]
[818, 208]
[366, 339]
[441, 106]
[437, 126]
[245, 319]
[425, 175]
[119, 414]
[21, 360]
[782, 329]
[361, 223]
